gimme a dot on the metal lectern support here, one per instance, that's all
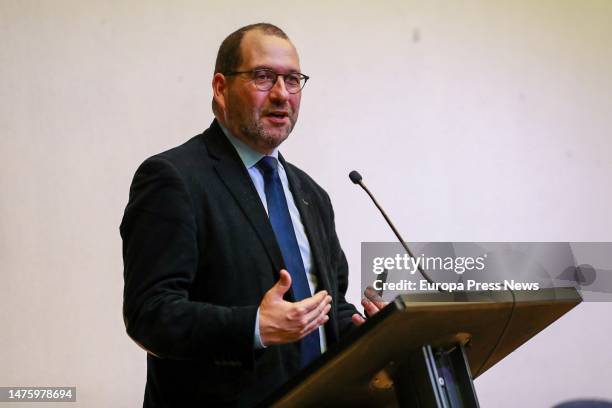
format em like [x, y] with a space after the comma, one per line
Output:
[435, 378]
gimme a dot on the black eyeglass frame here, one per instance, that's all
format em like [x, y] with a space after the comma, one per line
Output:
[276, 74]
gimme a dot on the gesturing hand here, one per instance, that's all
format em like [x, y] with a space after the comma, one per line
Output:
[283, 322]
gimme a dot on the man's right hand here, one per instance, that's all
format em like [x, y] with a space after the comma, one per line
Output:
[283, 322]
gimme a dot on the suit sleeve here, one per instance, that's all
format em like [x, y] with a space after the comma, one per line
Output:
[160, 251]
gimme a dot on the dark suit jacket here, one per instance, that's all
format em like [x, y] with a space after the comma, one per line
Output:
[199, 254]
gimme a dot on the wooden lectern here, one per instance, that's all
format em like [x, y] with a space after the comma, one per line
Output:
[424, 350]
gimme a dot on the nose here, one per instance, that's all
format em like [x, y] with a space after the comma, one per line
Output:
[279, 91]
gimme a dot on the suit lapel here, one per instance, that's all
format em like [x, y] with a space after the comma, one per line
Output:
[236, 178]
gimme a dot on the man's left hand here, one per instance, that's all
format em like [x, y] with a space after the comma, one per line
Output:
[372, 303]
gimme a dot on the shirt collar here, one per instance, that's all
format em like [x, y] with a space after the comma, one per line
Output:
[248, 156]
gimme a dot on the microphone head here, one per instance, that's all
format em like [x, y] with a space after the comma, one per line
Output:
[355, 176]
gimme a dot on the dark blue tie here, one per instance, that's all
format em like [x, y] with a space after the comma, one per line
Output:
[278, 212]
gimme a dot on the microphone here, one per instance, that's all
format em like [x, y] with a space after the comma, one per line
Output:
[357, 179]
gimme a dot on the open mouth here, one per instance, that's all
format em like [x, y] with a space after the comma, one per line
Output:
[278, 115]
[278, 118]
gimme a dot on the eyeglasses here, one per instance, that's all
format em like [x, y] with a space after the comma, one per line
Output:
[265, 79]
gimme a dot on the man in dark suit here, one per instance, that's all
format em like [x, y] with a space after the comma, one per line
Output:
[234, 276]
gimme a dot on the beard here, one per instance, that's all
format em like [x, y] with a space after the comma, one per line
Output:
[259, 135]
[251, 127]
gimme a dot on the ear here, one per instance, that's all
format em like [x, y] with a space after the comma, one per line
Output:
[219, 86]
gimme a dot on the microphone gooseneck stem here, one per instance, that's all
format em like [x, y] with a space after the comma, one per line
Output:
[384, 214]
[395, 231]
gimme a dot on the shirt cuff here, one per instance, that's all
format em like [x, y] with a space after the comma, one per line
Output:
[257, 338]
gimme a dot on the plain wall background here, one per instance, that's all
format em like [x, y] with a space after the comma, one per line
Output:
[472, 120]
